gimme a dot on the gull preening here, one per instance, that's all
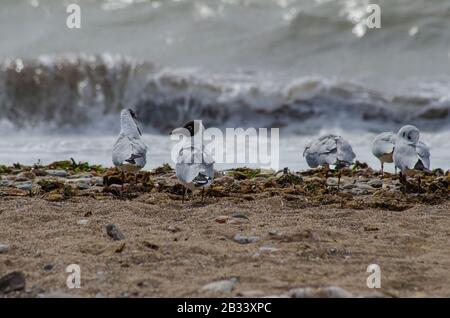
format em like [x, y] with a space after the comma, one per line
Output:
[383, 148]
[129, 152]
[410, 154]
[195, 167]
[329, 150]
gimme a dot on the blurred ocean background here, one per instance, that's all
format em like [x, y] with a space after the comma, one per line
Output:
[308, 67]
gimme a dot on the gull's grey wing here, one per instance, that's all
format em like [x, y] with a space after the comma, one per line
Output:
[423, 151]
[129, 150]
[321, 151]
[383, 144]
[345, 152]
[194, 166]
[327, 143]
[405, 156]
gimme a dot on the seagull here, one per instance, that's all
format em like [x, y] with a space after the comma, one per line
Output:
[410, 154]
[195, 167]
[329, 150]
[383, 148]
[129, 152]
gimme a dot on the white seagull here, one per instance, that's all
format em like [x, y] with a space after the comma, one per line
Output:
[195, 167]
[329, 150]
[410, 154]
[129, 152]
[383, 148]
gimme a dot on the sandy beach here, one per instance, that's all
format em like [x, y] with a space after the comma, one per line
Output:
[256, 234]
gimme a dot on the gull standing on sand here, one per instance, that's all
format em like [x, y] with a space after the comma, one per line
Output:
[130, 152]
[329, 150]
[194, 168]
[383, 148]
[410, 154]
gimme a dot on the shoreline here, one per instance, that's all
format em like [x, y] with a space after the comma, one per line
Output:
[257, 233]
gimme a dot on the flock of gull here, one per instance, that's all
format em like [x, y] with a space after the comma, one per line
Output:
[195, 167]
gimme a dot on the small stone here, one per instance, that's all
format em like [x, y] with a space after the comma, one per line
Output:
[274, 232]
[332, 182]
[6, 183]
[80, 183]
[239, 219]
[49, 267]
[4, 248]
[322, 292]
[82, 175]
[268, 249]
[82, 222]
[222, 286]
[21, 179]
[151, 245]
[222, 219]
[57, 173]
[173, 229]
[97, 181]
[371, 228]
[240, 216]
[83, 186]
[14, 281]
[114, 232]
[245, 239]
[375, 183]
[25, 175]
[26, 186]
[332, 250]
[363, 186]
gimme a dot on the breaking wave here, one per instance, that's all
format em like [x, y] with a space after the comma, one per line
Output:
[74, 92]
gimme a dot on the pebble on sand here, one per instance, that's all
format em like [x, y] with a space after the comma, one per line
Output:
[4, 248]
[57, 173]
[225, 219]
[245, 239]
[82, 222]
[14, 281]
[321, 292]
[173, 228]
[114, 232]
[26, 186]
[268, 249]
[222, 286]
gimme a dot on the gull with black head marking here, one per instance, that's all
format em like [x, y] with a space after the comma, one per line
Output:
[329, 150]
[129, 152]
[194, 167]
[411, 156]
